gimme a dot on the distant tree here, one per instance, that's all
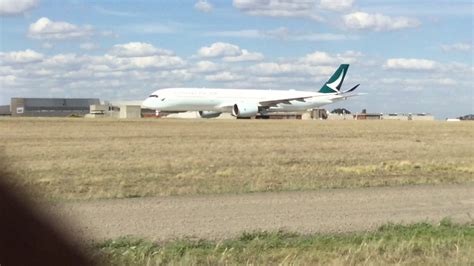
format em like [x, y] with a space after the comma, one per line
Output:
[340, 111]
[467, 117]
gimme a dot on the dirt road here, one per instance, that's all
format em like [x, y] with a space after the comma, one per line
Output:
[222, 216]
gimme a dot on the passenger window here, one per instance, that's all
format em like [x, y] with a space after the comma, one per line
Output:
[153, 96]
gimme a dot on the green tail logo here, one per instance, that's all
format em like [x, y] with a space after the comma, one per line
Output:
[333, 85]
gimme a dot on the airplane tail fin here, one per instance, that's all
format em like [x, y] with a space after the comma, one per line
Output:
[334, 84]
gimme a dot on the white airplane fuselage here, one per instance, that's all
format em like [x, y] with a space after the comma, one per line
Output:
[247, 103]
[222, 100]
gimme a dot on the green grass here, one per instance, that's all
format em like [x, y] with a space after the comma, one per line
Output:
[86, 158]
[416, 244]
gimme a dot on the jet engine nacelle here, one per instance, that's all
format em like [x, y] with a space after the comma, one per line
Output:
[209, 114]
[244, 110]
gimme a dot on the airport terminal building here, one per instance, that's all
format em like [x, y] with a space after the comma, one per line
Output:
[51, 106]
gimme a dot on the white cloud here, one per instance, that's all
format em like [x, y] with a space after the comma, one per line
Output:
[219, 49]
[104, 76]
[446, 81]
[137, 49]
[314, 66]
[203, 5]
[282, 33]
[16, 7]
[149, 28]
[310, 9]
[205, 67]
[47, 45]
[278, 33]
[92, 65]
[21, 57]
[163, 62]
[8, 80]
[238, 34]
[273, 69]
[108, 34]
[278, 8]
[63, 61]
[457, 47]
[377, 22]
[319, 58]
[420, 82]
[410, 64]
[47, 29]
[316, 37]
[229, 53]
[88, 46]
[113, 63]
[336, 5]
[244, 56]
[111, 12]
[223, 76]
[323, 58]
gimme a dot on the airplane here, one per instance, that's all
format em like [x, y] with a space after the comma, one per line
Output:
[245, 103]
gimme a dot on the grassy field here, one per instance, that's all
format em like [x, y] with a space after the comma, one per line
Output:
[84, 159]
[417, 244]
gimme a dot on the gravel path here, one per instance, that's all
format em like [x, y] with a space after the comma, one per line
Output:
[222, 216]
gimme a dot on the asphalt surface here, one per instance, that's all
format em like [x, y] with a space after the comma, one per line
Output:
[223, 216]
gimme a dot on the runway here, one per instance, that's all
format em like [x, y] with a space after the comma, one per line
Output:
[223, 216]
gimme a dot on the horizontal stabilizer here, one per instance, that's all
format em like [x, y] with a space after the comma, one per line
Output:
[352, 89]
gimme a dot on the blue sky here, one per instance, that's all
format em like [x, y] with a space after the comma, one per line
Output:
[409, 56]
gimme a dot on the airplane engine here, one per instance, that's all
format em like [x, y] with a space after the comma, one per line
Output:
[244, 110]
[209, 114]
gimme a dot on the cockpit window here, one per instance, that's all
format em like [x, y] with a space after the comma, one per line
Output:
[153, 96]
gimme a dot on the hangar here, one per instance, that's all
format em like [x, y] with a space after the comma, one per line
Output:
[5, 110]
[51, 106]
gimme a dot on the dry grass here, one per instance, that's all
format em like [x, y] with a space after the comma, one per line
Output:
[82, 159]
[416, 244]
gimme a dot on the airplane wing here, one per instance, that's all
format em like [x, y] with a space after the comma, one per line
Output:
[270, 103]
[273, 102]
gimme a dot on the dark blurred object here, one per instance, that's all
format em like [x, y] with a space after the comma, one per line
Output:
[340, 111]
[467, 117]
[28, 237]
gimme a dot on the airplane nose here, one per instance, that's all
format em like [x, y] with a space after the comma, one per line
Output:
[148, 103]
